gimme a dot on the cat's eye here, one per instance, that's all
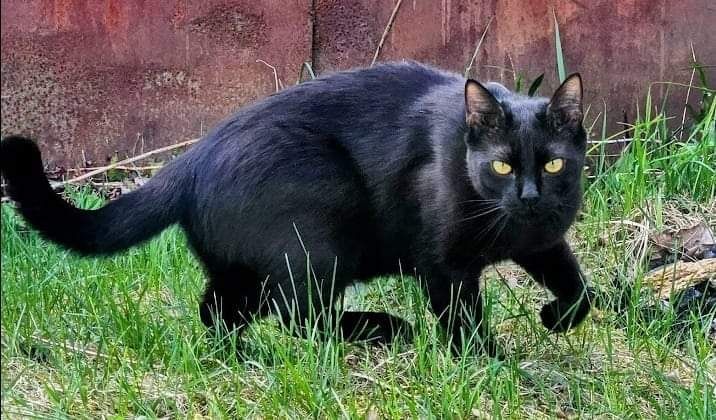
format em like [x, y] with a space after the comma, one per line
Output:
[554, 166]
[501, 168]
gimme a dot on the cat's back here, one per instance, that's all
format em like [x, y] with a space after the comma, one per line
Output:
[353, 101]
[404, 79]
[340, 100]
[365, 113]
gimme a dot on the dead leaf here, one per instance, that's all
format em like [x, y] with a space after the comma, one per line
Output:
[687, 244]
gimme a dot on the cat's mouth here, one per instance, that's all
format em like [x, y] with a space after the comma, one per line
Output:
[525, 214]
[534, 218]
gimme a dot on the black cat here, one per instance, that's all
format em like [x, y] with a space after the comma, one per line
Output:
[347, 177]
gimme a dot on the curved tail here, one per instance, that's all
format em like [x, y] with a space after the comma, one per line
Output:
[129, 220]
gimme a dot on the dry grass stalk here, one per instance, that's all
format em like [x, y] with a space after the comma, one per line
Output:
[129, 160]
[386, 31]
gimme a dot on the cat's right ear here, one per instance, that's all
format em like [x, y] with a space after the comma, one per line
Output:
[481, 107]
[565, 107]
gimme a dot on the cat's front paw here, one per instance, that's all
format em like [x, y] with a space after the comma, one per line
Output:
[562, 315]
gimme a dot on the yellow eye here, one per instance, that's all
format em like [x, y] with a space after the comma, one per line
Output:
[554, 166]
[501, 168]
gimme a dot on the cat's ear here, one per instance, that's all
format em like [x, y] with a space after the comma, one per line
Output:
[565, 107]
[481, 107]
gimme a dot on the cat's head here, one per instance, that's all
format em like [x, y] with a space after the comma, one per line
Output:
[525, 155]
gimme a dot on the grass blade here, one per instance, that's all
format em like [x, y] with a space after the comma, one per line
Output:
[534, 87]
[561, 71]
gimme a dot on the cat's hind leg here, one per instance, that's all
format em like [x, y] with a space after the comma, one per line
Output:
[307, 300]
[373, 327]
[233, 296]
[352, 326]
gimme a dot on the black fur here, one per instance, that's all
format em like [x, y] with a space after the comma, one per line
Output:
[353, 175]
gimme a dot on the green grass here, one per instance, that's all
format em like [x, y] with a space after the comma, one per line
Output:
[121, 337]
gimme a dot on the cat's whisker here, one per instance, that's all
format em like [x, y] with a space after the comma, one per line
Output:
[487, 209]
[483, 232]
[482, 213]
[491, 200]
[499, 231]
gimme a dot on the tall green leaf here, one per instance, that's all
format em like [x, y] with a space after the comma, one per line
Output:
[561, 71]
[535, 85]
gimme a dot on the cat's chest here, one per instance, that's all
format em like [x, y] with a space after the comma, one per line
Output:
[463, 248]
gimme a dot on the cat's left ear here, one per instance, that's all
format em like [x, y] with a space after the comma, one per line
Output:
[565, 107]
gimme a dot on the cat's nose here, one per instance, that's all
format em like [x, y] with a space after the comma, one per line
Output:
[529, 195]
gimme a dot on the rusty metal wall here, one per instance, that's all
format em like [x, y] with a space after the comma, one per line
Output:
[95, 78]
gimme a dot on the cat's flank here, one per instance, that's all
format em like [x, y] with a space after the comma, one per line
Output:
[357, 173]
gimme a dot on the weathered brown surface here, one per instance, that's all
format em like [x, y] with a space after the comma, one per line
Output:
[91, 78]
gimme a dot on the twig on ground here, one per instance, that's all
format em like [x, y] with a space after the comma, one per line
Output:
[676, 277]
[130, 160]
[121, 168]
[109, 184]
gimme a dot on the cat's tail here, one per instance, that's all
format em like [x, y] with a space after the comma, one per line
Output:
[129, 220]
